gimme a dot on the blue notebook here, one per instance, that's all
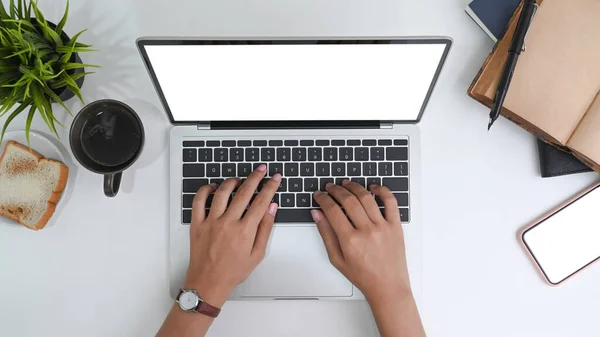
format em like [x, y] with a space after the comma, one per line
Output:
[492, 15]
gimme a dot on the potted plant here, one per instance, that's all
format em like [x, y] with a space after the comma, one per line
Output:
[39, 64]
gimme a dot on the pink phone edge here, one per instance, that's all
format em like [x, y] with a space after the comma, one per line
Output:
[544, 217]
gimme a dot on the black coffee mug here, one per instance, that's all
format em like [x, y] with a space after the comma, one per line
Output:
[107, 137]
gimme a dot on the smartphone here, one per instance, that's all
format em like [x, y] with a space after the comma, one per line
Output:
[567, 240]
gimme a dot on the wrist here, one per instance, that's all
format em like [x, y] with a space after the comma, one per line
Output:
[388, 296]
[209, 291]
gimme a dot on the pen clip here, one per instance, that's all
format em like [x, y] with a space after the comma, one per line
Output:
[535, 10]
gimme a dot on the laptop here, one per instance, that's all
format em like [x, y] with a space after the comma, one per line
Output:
[316, 110]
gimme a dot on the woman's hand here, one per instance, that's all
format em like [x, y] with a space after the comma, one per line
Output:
[228, 243]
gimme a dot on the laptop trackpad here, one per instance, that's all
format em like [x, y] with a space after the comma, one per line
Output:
[296, 265]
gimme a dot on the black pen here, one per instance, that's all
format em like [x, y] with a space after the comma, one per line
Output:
[516, 47]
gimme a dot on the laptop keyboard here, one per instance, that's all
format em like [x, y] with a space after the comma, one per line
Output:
[306, 166]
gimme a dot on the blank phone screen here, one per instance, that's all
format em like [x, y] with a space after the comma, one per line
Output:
[568, 240]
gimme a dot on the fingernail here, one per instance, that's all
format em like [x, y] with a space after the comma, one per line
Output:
[328, 185]
[262, 168]
[277, 177]
[345, 182]
[213, 185]
[272, 209]
[317, 193]
[316, 215]
[372, 186]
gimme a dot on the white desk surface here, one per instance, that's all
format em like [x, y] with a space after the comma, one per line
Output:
[102, 270]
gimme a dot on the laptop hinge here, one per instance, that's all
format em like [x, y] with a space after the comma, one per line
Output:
[203, 126]
[386, 125]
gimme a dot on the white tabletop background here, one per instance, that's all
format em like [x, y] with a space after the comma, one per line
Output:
[102, 269]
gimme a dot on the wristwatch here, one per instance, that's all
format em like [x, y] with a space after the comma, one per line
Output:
[189, 301]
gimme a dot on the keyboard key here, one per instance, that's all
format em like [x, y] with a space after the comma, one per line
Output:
[346, 153]
[290, 143]
[188, 200]
[314, 202]
[299, 154]
[330, 154]
[402, 199]
[361, 153]
[369, 169]
[307, 142]
[275, 198]
[401, 169]
[244, 143]
[373, 181]
[311, 184]
[221, 155]
[338, 142]
[384, 142]
[338, 181]
[295, 184]
[205, 155]
[307, 169]
[260, 143]
[229, 170]
[186, 217]
[193, 143]
[255, 165]
[262, 184]
[190, 155]
[229, 143]
[275, 168]
[369, 142]
[244, 170]
[288, 200]
[322, 142]
[193, 170]
[360, 181]
[236, 154]
[315, 154]
[323, 169]
[284, 154]
[291, 170]
[353, 142]
[283, 185]
[404, 215]
[377, 153]
[323, 182]
[354, 169]
[193, 185]
[276, 143]
[217, 181]
[252, 154]
[294, 216]
[396, 184]
[213, 143]
[267, 154]
[303, 200]
[397, 153]
[213, 170]
[385, 169]
[401, 142]
[338, 169]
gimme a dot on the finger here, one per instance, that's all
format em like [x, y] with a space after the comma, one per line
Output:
[366, 199]
[199, 204]
[221, 198]
[334, 214]
[261, 203]
[354, 209]
[265, 228]
[392, 213]
[246, 191]
[332, 244]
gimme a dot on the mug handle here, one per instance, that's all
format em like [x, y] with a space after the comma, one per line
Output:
[112, 182]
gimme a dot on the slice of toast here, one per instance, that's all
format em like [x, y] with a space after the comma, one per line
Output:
[30, 185]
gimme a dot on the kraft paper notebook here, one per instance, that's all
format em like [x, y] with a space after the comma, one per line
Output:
[555, 89]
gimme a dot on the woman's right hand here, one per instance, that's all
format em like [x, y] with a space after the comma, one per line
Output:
[371, 254]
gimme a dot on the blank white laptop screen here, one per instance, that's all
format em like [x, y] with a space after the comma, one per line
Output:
[568, 240]
[295, 82]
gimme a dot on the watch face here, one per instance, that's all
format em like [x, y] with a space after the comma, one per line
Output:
[188, 300]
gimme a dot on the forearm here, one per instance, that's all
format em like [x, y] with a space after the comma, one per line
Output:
[397, 315]
[184, 324]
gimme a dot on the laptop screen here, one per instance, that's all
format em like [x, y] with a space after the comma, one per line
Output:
[387, 80]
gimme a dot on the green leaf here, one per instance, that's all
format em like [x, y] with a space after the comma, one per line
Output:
[55, 97]
[44, 107]
[12, 8]
[61, 24]
[28, 123]
[20, 8]
[12, 116]
[70, 83]
[70, 66]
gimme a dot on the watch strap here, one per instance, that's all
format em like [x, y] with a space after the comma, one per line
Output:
[203, 307]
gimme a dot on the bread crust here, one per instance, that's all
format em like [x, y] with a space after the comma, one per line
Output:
[54, 196]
